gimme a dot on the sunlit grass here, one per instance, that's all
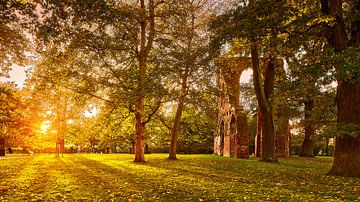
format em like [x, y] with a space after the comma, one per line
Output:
[193, 177]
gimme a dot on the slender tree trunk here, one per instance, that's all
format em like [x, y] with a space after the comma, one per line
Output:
[347, 147]
[176, 126]
[327, 146]
[258, 135]
[139, 116]
[263, 96]
[175, 130]
[147, 33]
[308, 145]
[2, 146]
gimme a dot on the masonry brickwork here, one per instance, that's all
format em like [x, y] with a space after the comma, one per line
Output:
[232, 135]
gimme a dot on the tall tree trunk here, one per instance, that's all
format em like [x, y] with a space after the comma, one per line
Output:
[268, 138]
[176, 128]
[258, 134]
[147, 34]
[139, 116]
[184, 88]
[282, 117]
[347, 147]
[327, 146]
[308, 144]
[263, 96]
[2, 146]
[139, 143]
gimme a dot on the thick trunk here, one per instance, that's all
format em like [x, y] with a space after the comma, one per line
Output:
[147, 33]
[263, 96]
[347, 144]
[307, 148]
[268, 138]
[347, 147]
[139, 115]
[139, 143]
[268, 127]
[175, 130]
[308, 145]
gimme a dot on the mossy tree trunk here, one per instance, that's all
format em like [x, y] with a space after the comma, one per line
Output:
[347, 146]
[308, 145]
[264, 91]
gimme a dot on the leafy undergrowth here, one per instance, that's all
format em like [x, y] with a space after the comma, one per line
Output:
[115, 177]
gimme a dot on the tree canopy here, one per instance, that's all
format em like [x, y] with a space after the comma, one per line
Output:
[133, 75]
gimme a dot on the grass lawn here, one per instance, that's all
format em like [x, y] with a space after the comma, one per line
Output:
[114, 177]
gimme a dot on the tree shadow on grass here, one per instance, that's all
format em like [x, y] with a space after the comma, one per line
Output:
[285, 179]
[132, 180]
[30, 180]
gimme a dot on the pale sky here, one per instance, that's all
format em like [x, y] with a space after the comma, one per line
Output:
[17, 74]
[246, 76]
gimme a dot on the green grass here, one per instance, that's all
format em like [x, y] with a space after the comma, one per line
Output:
[115, 177]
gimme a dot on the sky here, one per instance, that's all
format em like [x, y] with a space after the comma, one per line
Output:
[17, 75]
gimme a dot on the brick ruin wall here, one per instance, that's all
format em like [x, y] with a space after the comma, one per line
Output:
[228, 140]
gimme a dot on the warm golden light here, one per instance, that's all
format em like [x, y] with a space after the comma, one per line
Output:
[45, 126]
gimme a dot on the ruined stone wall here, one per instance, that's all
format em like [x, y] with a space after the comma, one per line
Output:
[232, 136]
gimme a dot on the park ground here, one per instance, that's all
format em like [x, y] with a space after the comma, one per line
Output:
[115, 177]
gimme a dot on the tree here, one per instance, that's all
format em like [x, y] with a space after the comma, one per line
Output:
[187, 57]
[53, 103]
[259, 29]
[108, 46]
[15, 18]
[10, 114]
[310, 88]
[344, 38]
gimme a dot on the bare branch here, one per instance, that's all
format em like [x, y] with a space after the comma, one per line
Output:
[152, 113]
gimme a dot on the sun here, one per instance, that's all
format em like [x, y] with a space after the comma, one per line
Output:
[45, 125]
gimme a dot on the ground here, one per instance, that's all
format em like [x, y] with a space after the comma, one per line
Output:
[115, 177]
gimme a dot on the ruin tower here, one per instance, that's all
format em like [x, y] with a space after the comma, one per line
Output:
[232, 137]
[232, 134]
